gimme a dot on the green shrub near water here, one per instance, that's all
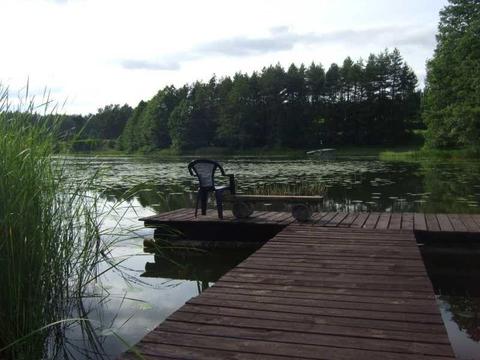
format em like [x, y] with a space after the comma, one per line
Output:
[49, 240]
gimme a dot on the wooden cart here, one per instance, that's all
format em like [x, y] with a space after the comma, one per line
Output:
[301, 206]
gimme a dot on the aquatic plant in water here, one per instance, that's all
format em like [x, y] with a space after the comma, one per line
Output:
[49, 238]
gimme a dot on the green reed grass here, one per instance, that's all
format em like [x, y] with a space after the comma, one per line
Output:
[300, 189]
[49, 237]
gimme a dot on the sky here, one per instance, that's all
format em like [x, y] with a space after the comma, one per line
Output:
[91, 53]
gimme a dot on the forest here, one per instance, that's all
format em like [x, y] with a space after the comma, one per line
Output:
[364, 102]
[370, 102]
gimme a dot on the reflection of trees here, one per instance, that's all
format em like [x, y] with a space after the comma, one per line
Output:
[450, 186]
[203, 266]
[160, 198]
[466, 314]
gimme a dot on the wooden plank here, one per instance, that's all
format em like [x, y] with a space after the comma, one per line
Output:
[264, 348]
[419, 222]
[383, 221]
[371, 221]
[476, 219]
[316, 290]
[407, 221]
[338, 302]
[239, 319]
[348, 220]
[326, 219]
[470, 223]
[360, 220]
[444, 222]
[185, 324]
[337, 219]
[319, 293]
[285, 219]
[432, 222]
[286, 198]
[395, 221]
[457, 223]
[427, 330]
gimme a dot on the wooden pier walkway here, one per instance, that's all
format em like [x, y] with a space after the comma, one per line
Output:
[344, 286]
[379, 221]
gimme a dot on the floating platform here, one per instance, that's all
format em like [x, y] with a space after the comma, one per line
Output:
[342, 286]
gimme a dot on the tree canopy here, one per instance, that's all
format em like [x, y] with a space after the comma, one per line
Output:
[360, 102]
[452, 91]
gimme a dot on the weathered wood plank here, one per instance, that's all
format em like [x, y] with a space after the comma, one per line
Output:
[470, 223]
[239, 319]
[348, 220]
[419, 222]
[457, 223]
[371, 221]
[407, 221]
[383, 221]
[360, 220]
[262, 347]
[337, 219]
[444, 222]
[326, 219]
[269, 198]
[427, 330]
[252, 332]
[343, 286]
[432, 222]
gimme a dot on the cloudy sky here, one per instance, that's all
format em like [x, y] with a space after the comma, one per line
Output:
[90, 53]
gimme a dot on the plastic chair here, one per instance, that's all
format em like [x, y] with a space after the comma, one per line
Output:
[204, 170]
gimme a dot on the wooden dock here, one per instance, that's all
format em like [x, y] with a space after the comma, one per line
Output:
[343, 286]
[468, 223]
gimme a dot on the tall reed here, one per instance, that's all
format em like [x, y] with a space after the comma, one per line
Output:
[49, 238]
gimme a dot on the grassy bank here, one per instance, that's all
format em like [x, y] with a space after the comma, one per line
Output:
[50, 243]
[216, 152]
[433, 154]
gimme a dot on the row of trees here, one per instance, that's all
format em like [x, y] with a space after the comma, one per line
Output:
[93, 131]
[363, 102]
[358, 103]
[452, 91]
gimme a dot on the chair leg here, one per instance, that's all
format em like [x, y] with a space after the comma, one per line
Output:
[203, 199]
[219, 200]
[198, 199]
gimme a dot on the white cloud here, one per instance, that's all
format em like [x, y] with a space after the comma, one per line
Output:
[96, 52]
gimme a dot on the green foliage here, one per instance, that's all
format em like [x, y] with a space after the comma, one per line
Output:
[130, 139]
[452, 92]
[49, 243]
[358, 103]
[180, 126]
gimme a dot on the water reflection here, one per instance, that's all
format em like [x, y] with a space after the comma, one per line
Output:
[203, 266]
[453, 266]
[146, 288]
[461, 316]
[352, 184]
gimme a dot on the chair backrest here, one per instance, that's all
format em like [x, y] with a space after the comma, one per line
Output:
[205, 169]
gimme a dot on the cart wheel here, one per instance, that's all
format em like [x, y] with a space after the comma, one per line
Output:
[301, 212]
[242, 209]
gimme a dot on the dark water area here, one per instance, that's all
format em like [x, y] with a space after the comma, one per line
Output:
[351, 183]
[453, 266]
[145, 288]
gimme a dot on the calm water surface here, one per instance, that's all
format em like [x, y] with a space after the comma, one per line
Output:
[145, 289]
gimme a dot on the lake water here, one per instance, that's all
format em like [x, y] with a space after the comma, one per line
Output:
[143, 290]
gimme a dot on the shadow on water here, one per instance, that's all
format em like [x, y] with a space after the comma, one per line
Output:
[203, 266]
[453, 265]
